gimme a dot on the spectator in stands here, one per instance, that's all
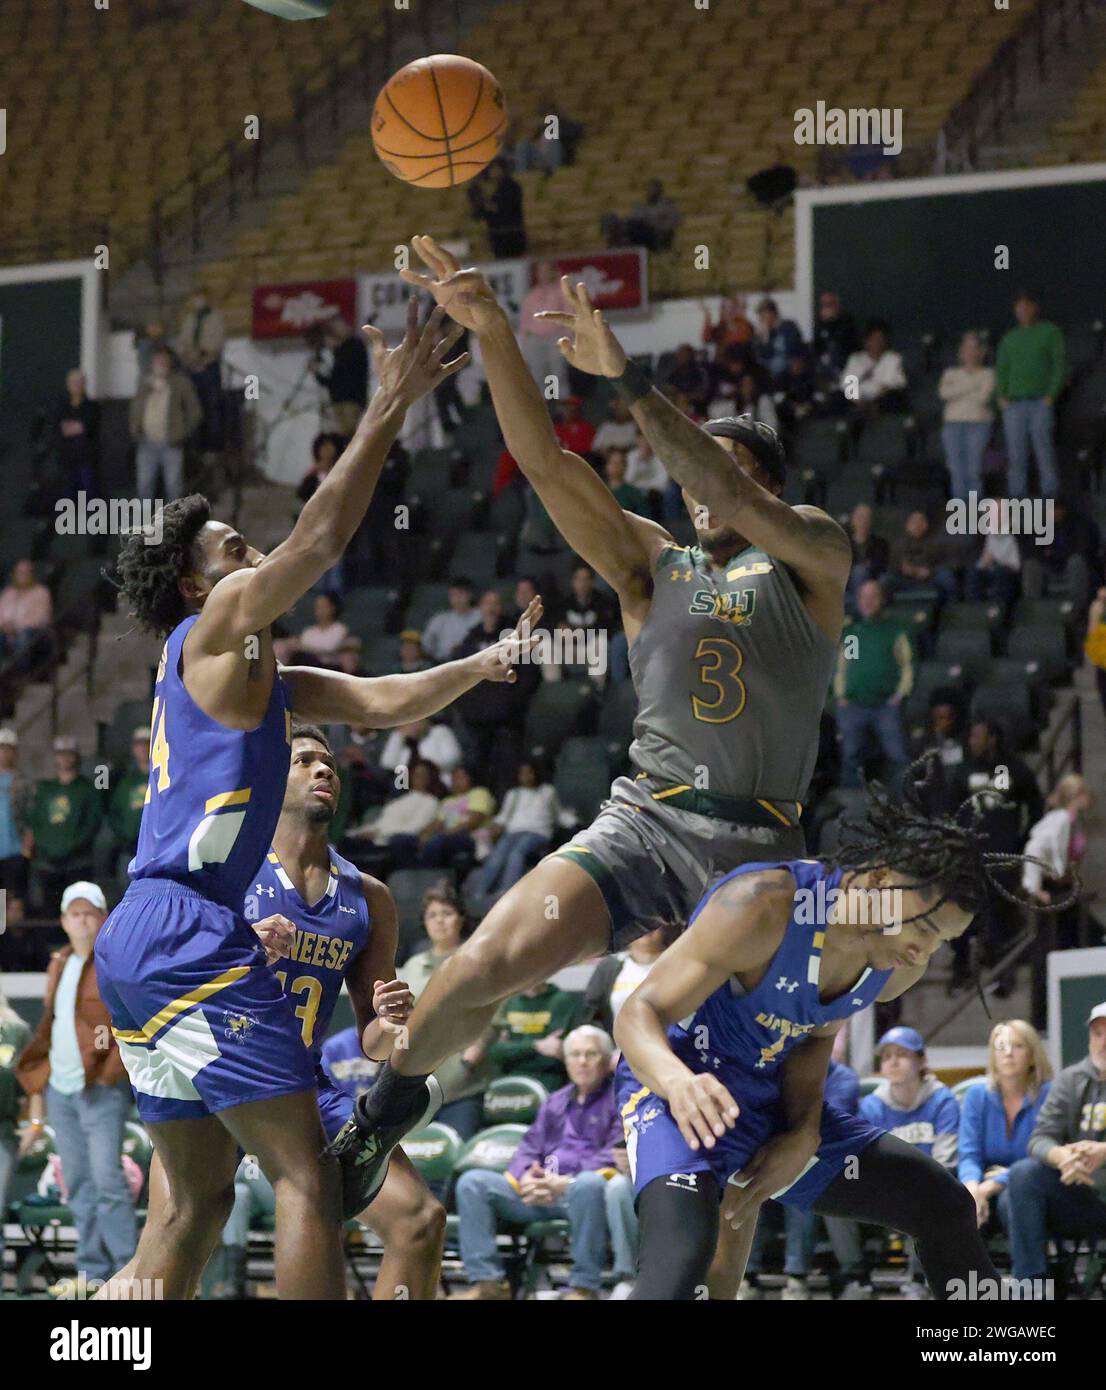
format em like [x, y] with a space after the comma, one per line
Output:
[628, 497]
[998, 1116]
[392, 839]
[1030, 369]
[26, 615]
[78, 436]
[777, 341]
[64, 818]
[14, 1036]
[537, 336]
[490, 722]
[570, 131]
[529, 1033]
[874, 377]
[798, 395]
[996, 575]
[127, 798]
[433, 743]
[1072, 557]
[462, 813]
[1059, 841]
[13, 810]
[1094, 643]
[348, 656]
[347, 381]
[325, 449]
[163, 415]
[756, 403]
[586, 605]
[495, 198]
[645, 471]
[729, 369]
[944, 737]
[559, 1170]
[200, 344]
[147, 340]
[72, 1071]
[526, 591]
[617, 976]
[522, 829]
[618, 430]
[689, 376]
[871, 553]
[448, 629]
[835, 338]
[448, 401]
[652, 224]
[575, 434]
[918, 560]
[411, 655]
[732, 329]
[871, 685]
[1060, 1189]
[967, 391]
[914, 1106]
[463, 1077]
[323, 638]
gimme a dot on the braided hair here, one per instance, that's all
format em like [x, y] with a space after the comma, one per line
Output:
[945, 854]
[149, 575]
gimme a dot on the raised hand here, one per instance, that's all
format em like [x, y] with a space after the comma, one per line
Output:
[465, 295]
[593, 348]
[415, 367]
[495, 663]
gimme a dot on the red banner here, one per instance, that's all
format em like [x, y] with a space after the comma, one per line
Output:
[286, 311]
[615, 279]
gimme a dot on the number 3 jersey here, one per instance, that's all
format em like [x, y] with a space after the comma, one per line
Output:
[329, 936]
[215, 793]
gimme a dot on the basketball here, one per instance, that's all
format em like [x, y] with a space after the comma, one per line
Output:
[439, 121]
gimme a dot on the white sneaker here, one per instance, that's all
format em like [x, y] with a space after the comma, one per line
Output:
[914, 1293]
[621, 1291]
[856, 1292]
[749, 1292]
[795, 1290]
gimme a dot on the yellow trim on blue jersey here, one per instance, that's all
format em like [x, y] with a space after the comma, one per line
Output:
[150, 1029]
[632, 1104]
[238, 798]
[819, 940]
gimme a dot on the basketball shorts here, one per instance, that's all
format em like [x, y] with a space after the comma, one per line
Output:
[201, 1022]
[656, 1148]
[335, 1107]
[653, 862]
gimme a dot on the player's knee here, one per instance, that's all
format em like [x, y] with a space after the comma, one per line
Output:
[312, 1188]
[197, 1214]
[421, 1226]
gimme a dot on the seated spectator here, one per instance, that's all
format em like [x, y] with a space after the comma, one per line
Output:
[835, 339]
[348, 656]
[1059, 841]
[62, 824]
[72, 1071]
[871, 685]
[325, 449]
[944, 737]
[1030, 370]
[529, 1032]
[690, 376]
[915, 1107]
[645, 471]
[996, 575]
[346, 1065]
[537, 336]
[433, 743]
[918, 560]
[1073, 556]
[587, 606]
[617, 976]
[13, 812]
[26, 616]
[447, 629]
[522, 828]
[777, 341]
[560, 1170]
[871, 553]
[618, 431]
[78, 437]
[628, 497]
[1060, 1189]
[570, 131]
[463, 1077]
[798, 395]
[324, 637]
[14, 1037]
[756, 403]
[733, 328]
[575, 434]
[392, 839]
[729, 368]
[495, 198]
[874, 376]
[462, 813]
[163, 415]
[127, 798]
[526, 591]
[967, 391]
[411, 655]
[652, 224]
[998, 1116]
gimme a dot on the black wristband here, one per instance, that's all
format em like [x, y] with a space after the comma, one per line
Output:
[633, 383]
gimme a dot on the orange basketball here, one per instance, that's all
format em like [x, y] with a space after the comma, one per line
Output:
[439, 121]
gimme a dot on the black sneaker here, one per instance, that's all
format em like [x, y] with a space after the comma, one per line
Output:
[363, 1150]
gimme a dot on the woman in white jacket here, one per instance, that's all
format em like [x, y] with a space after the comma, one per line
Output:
[1058, 841]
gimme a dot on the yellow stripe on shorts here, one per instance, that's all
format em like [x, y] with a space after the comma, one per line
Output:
[150, 1030]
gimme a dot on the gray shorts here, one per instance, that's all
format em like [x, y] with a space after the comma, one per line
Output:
[653, 862]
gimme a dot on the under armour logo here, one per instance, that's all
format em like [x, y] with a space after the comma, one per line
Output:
[784, 983]
[262, 889]
[687, 1182]
[858, 1003]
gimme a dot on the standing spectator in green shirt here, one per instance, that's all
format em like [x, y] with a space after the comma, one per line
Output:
[875, 674]
[532, 1029]
[14, 1037]
[1030, 368]
[65, 815]
[127, 798]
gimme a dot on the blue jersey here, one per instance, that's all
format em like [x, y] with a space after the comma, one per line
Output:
[933, 1125]
[329, 935]
[214, 794]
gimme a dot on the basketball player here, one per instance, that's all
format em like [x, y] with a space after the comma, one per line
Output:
[325, 922]
[198, 1017]
[777, 957]
[732, 646]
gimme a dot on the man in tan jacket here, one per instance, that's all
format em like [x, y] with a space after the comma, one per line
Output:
[163, 414]
[72, 1072]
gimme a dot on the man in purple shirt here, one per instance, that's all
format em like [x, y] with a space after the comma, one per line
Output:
[560, 1170]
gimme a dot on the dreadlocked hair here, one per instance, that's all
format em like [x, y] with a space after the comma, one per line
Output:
[944, 854]
[149, 574]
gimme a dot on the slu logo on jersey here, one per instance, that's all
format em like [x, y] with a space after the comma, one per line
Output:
[736, 608]
[237, 1025]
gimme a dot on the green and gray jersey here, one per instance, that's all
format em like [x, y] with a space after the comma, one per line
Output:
[731, 674]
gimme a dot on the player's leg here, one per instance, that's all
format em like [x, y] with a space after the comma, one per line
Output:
[678, 1221]
[731, 1255]
[898, 1186]
[285, 1134]
[411, 1223]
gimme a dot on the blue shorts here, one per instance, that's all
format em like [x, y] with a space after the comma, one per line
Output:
[335, 1107]
[655, 1147]
[201, 1021]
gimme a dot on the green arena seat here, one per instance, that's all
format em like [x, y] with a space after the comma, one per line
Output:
[968, 648]
[434, 1150]
[558, 709]
[513, 1100]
